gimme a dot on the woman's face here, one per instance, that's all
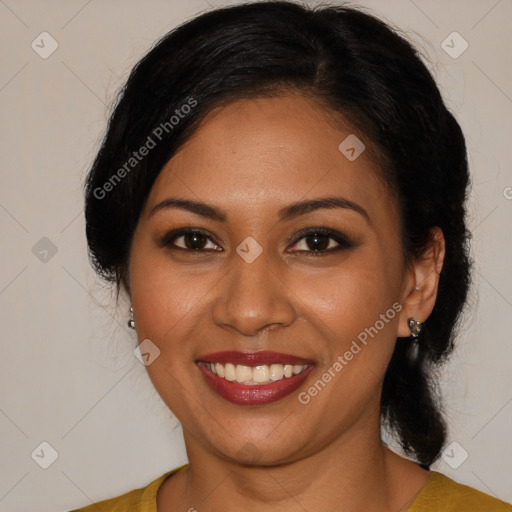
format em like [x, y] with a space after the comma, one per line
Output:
[258, 279]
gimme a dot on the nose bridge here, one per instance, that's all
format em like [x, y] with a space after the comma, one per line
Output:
[253, 297]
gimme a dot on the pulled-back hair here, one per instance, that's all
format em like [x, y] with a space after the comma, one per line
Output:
[355, 65]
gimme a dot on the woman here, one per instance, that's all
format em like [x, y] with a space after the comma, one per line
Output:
[281, 193]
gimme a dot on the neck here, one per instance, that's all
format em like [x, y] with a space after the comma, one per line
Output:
[353, 473]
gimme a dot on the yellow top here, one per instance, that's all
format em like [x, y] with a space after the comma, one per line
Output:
[440, 494]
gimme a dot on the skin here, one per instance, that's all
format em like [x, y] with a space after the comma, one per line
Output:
[251, 158]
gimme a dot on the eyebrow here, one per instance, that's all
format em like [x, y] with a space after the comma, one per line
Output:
[289, 212]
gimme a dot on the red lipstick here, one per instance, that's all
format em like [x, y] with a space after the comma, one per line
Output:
[253, 394]
[253, 358]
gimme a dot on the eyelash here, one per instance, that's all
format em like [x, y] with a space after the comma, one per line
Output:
[342, 241]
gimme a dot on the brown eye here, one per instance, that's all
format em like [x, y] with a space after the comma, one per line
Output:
[194, 240]
[323, 240]
[189, 240]
[317, 242]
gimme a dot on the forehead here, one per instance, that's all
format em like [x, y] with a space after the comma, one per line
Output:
[262, 152]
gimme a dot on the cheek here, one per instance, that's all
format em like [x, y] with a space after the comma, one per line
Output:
[168, 306]
[160, 296]
[356, 310]
[353, 295]
[166, 301]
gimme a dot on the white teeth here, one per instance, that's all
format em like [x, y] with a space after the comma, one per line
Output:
[251, 375]
[260, 374]
[243, 373]
[229, 372]
[276, 371]
[297, 368]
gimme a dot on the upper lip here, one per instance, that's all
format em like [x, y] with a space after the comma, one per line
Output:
[252, 358]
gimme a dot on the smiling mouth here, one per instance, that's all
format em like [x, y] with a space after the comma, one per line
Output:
[255, 375]
[254, 378]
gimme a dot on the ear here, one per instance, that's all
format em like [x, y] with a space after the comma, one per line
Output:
[421, 283]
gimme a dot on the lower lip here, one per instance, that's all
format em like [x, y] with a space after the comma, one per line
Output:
[243, 394]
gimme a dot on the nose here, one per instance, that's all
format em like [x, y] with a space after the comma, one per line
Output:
[252, 299]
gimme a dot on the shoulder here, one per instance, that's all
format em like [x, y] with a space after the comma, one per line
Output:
[138, 500]
[442, 494]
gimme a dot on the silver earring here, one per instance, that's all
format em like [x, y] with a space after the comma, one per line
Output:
[131, 321]
[415, 326]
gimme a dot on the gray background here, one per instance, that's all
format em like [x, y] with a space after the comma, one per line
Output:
[68, 374]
